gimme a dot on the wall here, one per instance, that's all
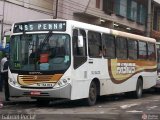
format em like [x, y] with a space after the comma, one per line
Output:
[22, 10]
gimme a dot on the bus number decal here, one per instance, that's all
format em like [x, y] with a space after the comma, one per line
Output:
[126, 68]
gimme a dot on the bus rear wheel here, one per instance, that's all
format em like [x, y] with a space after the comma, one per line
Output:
[139, 89]
[92, 97]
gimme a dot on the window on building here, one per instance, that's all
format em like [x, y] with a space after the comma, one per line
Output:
[132, 10]
[94, 44]
[121, 7]
[108, 6]
[142, 50]
[121, 45]
[132, 49]
[141, 14]
[156, 19]
[108, 43]
[151, 51]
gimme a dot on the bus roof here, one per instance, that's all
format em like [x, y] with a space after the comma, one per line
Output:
[89, 26]
[132, 36]
[92, 27]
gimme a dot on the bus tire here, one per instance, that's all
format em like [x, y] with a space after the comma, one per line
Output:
[139, 89]
[92, 97]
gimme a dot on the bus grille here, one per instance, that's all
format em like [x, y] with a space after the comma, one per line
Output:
[33, 79]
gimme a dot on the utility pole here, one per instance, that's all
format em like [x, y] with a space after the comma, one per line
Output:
[149, 16]
[56, 12]
[87, 6]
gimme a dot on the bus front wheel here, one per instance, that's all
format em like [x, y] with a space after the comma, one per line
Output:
[92, 97]
[139, 89]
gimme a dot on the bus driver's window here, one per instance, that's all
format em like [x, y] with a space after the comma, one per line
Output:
[79, 51]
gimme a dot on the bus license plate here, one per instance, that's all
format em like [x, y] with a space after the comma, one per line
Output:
[35, 93]
[45, 84]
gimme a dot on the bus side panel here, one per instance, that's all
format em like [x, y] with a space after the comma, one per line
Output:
[128, 85]
[149, 79]
[80, 82]
[110, 78]
[95, 68]
[123, 75]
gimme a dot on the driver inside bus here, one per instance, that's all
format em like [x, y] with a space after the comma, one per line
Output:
[100, 51]
[32, 56]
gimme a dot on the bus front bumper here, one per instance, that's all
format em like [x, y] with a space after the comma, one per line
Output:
[64, 92]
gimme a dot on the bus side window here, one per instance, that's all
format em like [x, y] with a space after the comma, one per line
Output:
[132, 49]
[121, 45]
[79, 51]
[151, 52]
[75, 42]
[83, 50]
[108, 46]
[142, 50]
[94, 44]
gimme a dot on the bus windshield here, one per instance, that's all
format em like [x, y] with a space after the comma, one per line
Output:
[40, 52]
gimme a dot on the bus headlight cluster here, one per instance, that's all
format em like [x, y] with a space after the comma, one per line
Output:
[12, 82]
[62, 82]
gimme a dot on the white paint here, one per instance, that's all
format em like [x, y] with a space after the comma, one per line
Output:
[128, 106]
[101, 112]
[135, 111]
[155, 100]
[152, 107]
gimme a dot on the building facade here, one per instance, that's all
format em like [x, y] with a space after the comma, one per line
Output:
[126, 15]
[20, 10]
[155, 20]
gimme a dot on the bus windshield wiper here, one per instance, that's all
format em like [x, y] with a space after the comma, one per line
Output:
[46, 39]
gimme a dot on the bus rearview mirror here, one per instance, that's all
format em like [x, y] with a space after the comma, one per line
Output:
[80, 41]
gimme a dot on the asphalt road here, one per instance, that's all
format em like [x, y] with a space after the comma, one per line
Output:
[114, 107]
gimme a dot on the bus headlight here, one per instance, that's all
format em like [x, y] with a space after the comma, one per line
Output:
[62, 82]
[12, 82]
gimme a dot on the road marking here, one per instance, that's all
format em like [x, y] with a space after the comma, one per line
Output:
[149, 108]
[155, 100]
[135, 111]
[128, 106]
[101, 112]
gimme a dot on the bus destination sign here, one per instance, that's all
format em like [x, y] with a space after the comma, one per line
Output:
[39, 26]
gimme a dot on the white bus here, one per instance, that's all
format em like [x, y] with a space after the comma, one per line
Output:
[74, 60]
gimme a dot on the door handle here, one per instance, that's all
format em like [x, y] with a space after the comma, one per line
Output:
[91, 61]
